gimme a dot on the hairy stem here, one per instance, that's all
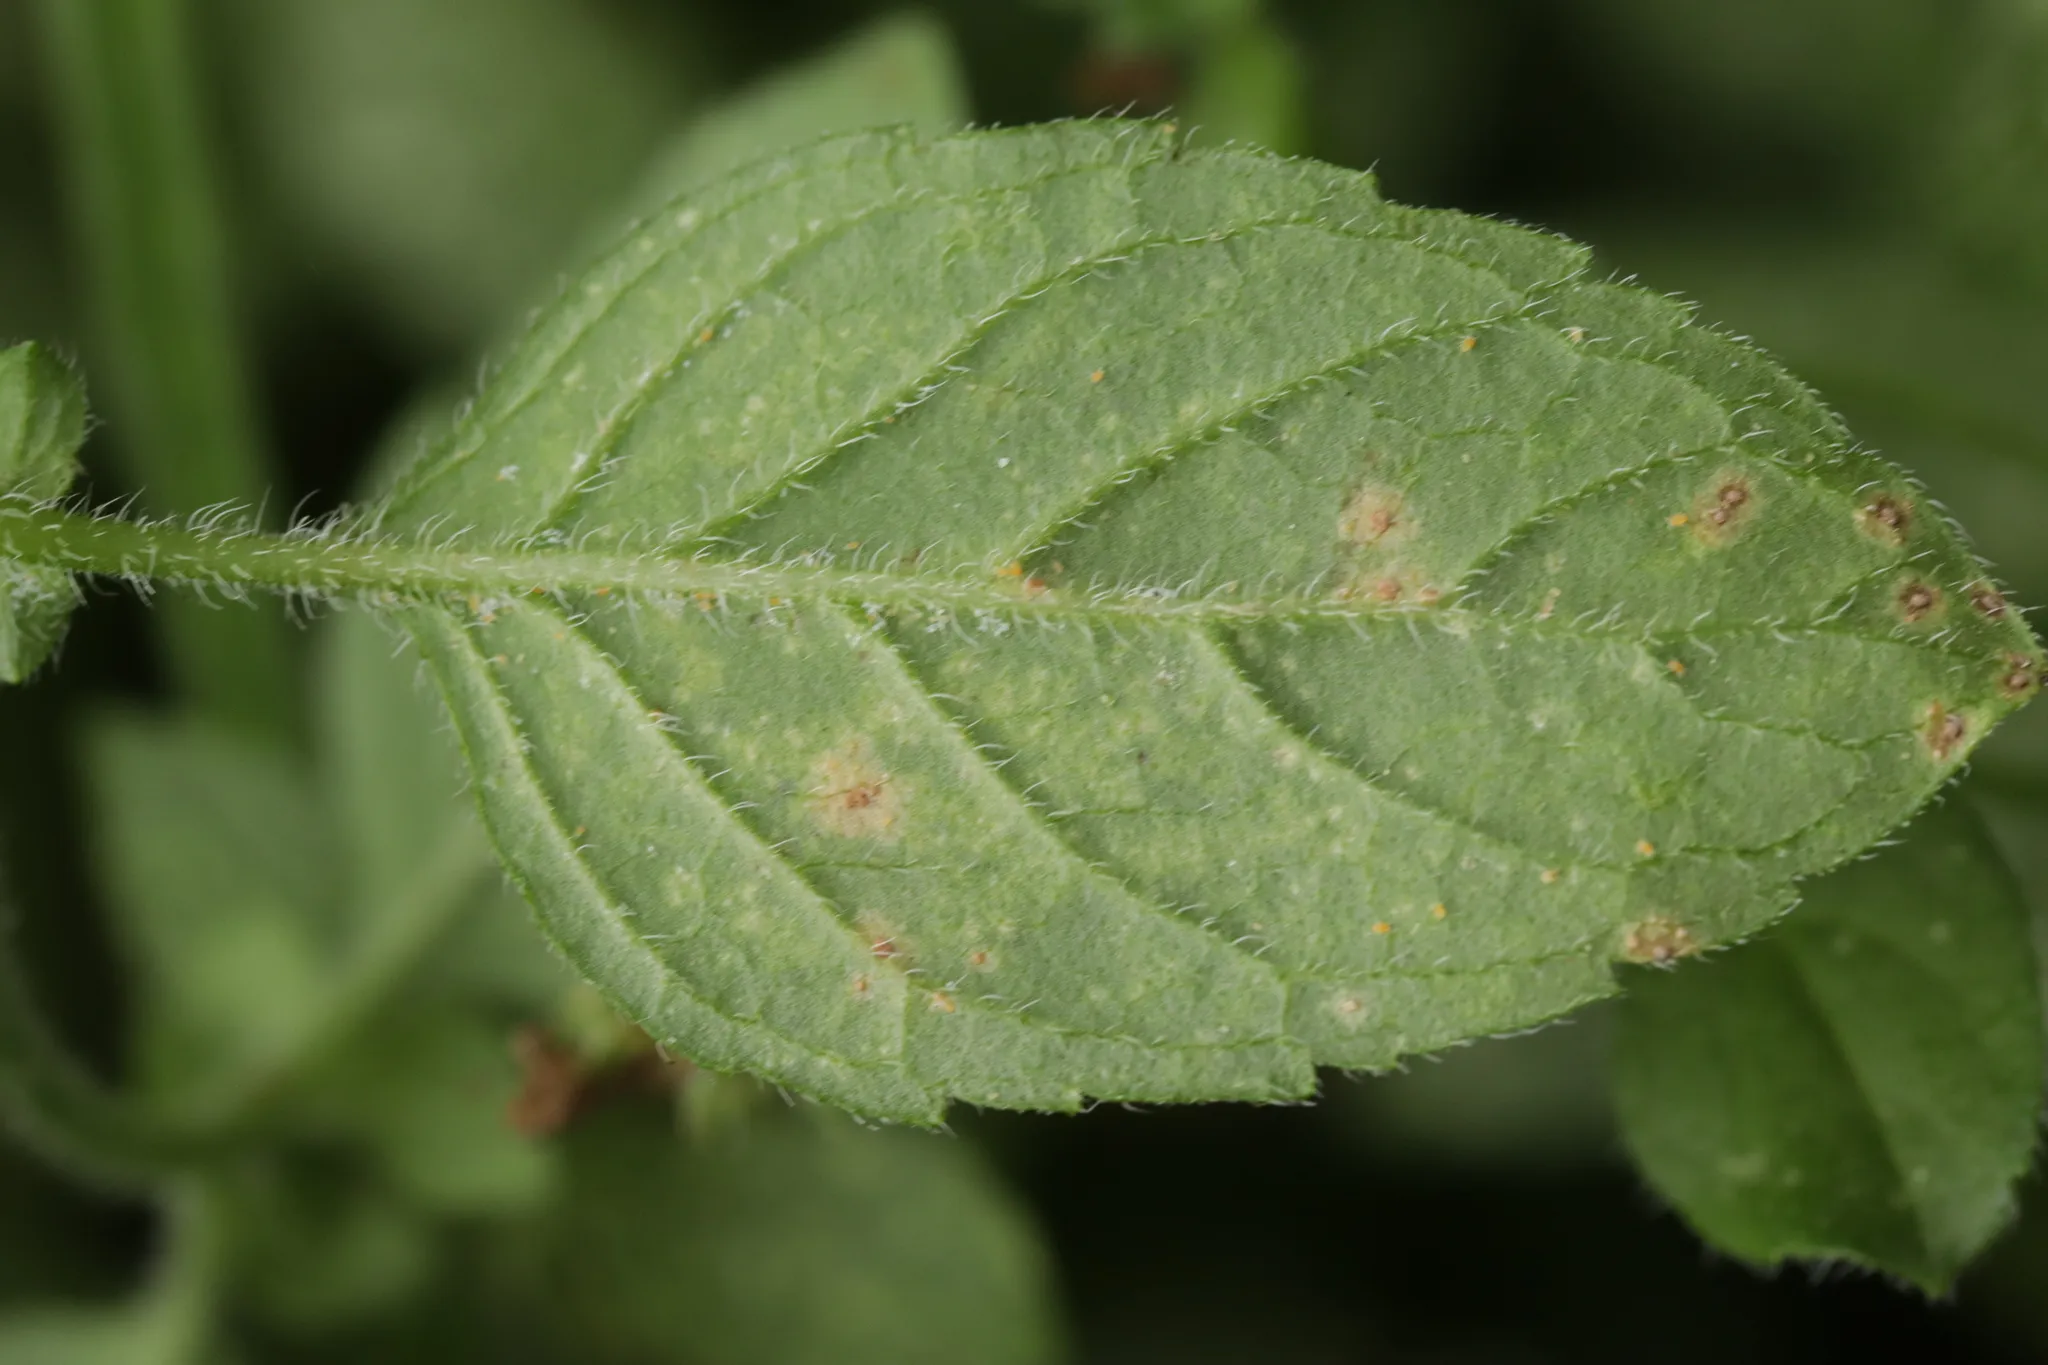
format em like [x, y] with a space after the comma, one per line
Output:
[150, 236]
[232, 563]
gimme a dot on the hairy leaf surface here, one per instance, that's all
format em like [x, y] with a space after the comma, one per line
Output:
[1862, 1083]
[1047, 614]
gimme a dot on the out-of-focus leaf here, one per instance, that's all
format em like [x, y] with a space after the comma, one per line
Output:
[315, 1243]
[225, 891]
[450, 153]
[798, 1241]
[900, 70]
[1864, 1081]
[427, 1091]
[1247, 86]
[42, 424]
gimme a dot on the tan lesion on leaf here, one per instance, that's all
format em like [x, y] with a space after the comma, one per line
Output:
[1375, 517]
[2020, 677]
[1943, 731]
[1989, 602]
[1657, 940]
[1886, 519]
[1723, 510]
[1917, 600]
[853, 796]
[884, 940]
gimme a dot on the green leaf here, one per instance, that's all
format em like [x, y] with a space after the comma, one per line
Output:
[1862, 1083]
[427, 1091]
[802, 1240]
[223, 884]
[1051, 613]
[42, 425]
[898, 70]
[270, 909]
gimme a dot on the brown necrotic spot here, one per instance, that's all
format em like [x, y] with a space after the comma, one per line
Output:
[1723, 509]
[1943, 732]
[2020, 676]
[884, 940]
[853, 797]
[1989, 602]
[1658, 940]
[1886, 518]
[1917, 600]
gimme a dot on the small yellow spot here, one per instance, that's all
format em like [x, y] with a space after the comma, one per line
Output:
[705, 335]
[978, 958]
[1350, 1004]
[1676, 668]
[604, 592]
[1011, 570]
[1383, 928]
[1550, 876]
[1677, 519]
[1646, 848]
[942, 1003]
[1575, 334]
[579, 831]
[1468, 343]
[853, 545]
[1439, 911]
[1549, 607]
[1096, 377]
[863, 986]
[500, 660]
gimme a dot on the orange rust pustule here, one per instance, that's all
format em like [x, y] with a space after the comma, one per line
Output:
[1886, 518]
[1917, 600]
[1944, 731]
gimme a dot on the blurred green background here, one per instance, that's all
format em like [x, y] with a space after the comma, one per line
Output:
[1860, 185]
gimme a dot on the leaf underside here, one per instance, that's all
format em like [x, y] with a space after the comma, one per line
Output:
[1221, 623]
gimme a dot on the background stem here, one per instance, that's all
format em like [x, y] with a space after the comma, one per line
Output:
[150, 238]
[53, 1107]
